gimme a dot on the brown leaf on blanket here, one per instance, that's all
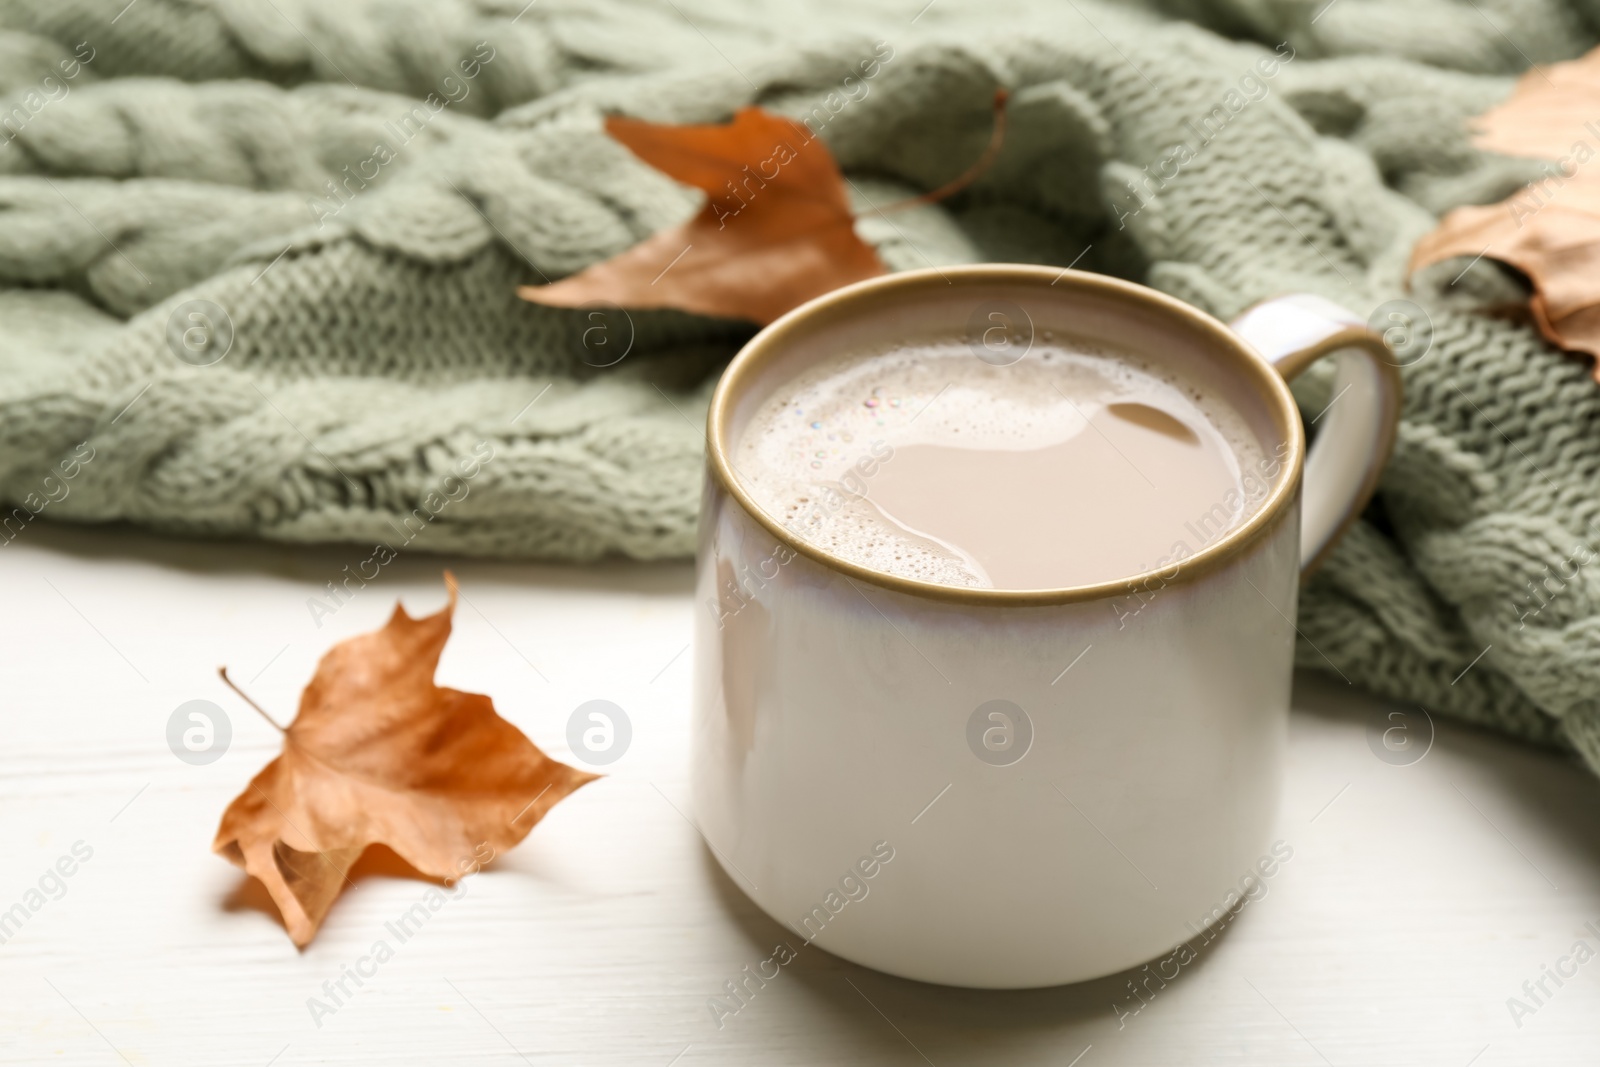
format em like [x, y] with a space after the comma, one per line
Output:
[776, 229]
[1550, 229]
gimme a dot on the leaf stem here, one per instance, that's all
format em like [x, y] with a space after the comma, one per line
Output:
[223, 671]
[972, 173]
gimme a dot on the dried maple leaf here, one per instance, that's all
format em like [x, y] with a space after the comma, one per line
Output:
[1550, 229]
[379, 754]
[775, 231]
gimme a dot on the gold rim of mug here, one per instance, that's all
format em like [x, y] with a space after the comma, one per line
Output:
[860, 297]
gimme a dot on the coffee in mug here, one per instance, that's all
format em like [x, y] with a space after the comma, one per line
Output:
[1068, 466]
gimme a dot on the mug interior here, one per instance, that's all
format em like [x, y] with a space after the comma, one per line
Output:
[1093, 310]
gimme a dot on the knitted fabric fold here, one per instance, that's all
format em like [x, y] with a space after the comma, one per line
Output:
[258, 261]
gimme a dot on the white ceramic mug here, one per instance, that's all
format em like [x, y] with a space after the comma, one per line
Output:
[1006, 789]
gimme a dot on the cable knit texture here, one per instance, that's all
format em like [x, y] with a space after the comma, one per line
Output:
[356, 189]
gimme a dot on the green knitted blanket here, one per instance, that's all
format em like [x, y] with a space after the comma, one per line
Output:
[257, 262]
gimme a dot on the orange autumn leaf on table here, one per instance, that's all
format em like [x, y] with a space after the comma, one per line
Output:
[775, 231]
[379, 754]
[1550, 229]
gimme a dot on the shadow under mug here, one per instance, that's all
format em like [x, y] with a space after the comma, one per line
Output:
[1008, 788]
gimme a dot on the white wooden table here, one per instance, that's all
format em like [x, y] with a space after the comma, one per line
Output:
[1418, 899]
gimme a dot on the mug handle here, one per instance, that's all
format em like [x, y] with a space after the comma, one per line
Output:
[1357, 428]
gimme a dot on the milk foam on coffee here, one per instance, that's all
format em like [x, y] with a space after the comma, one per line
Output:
[1069, 467]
